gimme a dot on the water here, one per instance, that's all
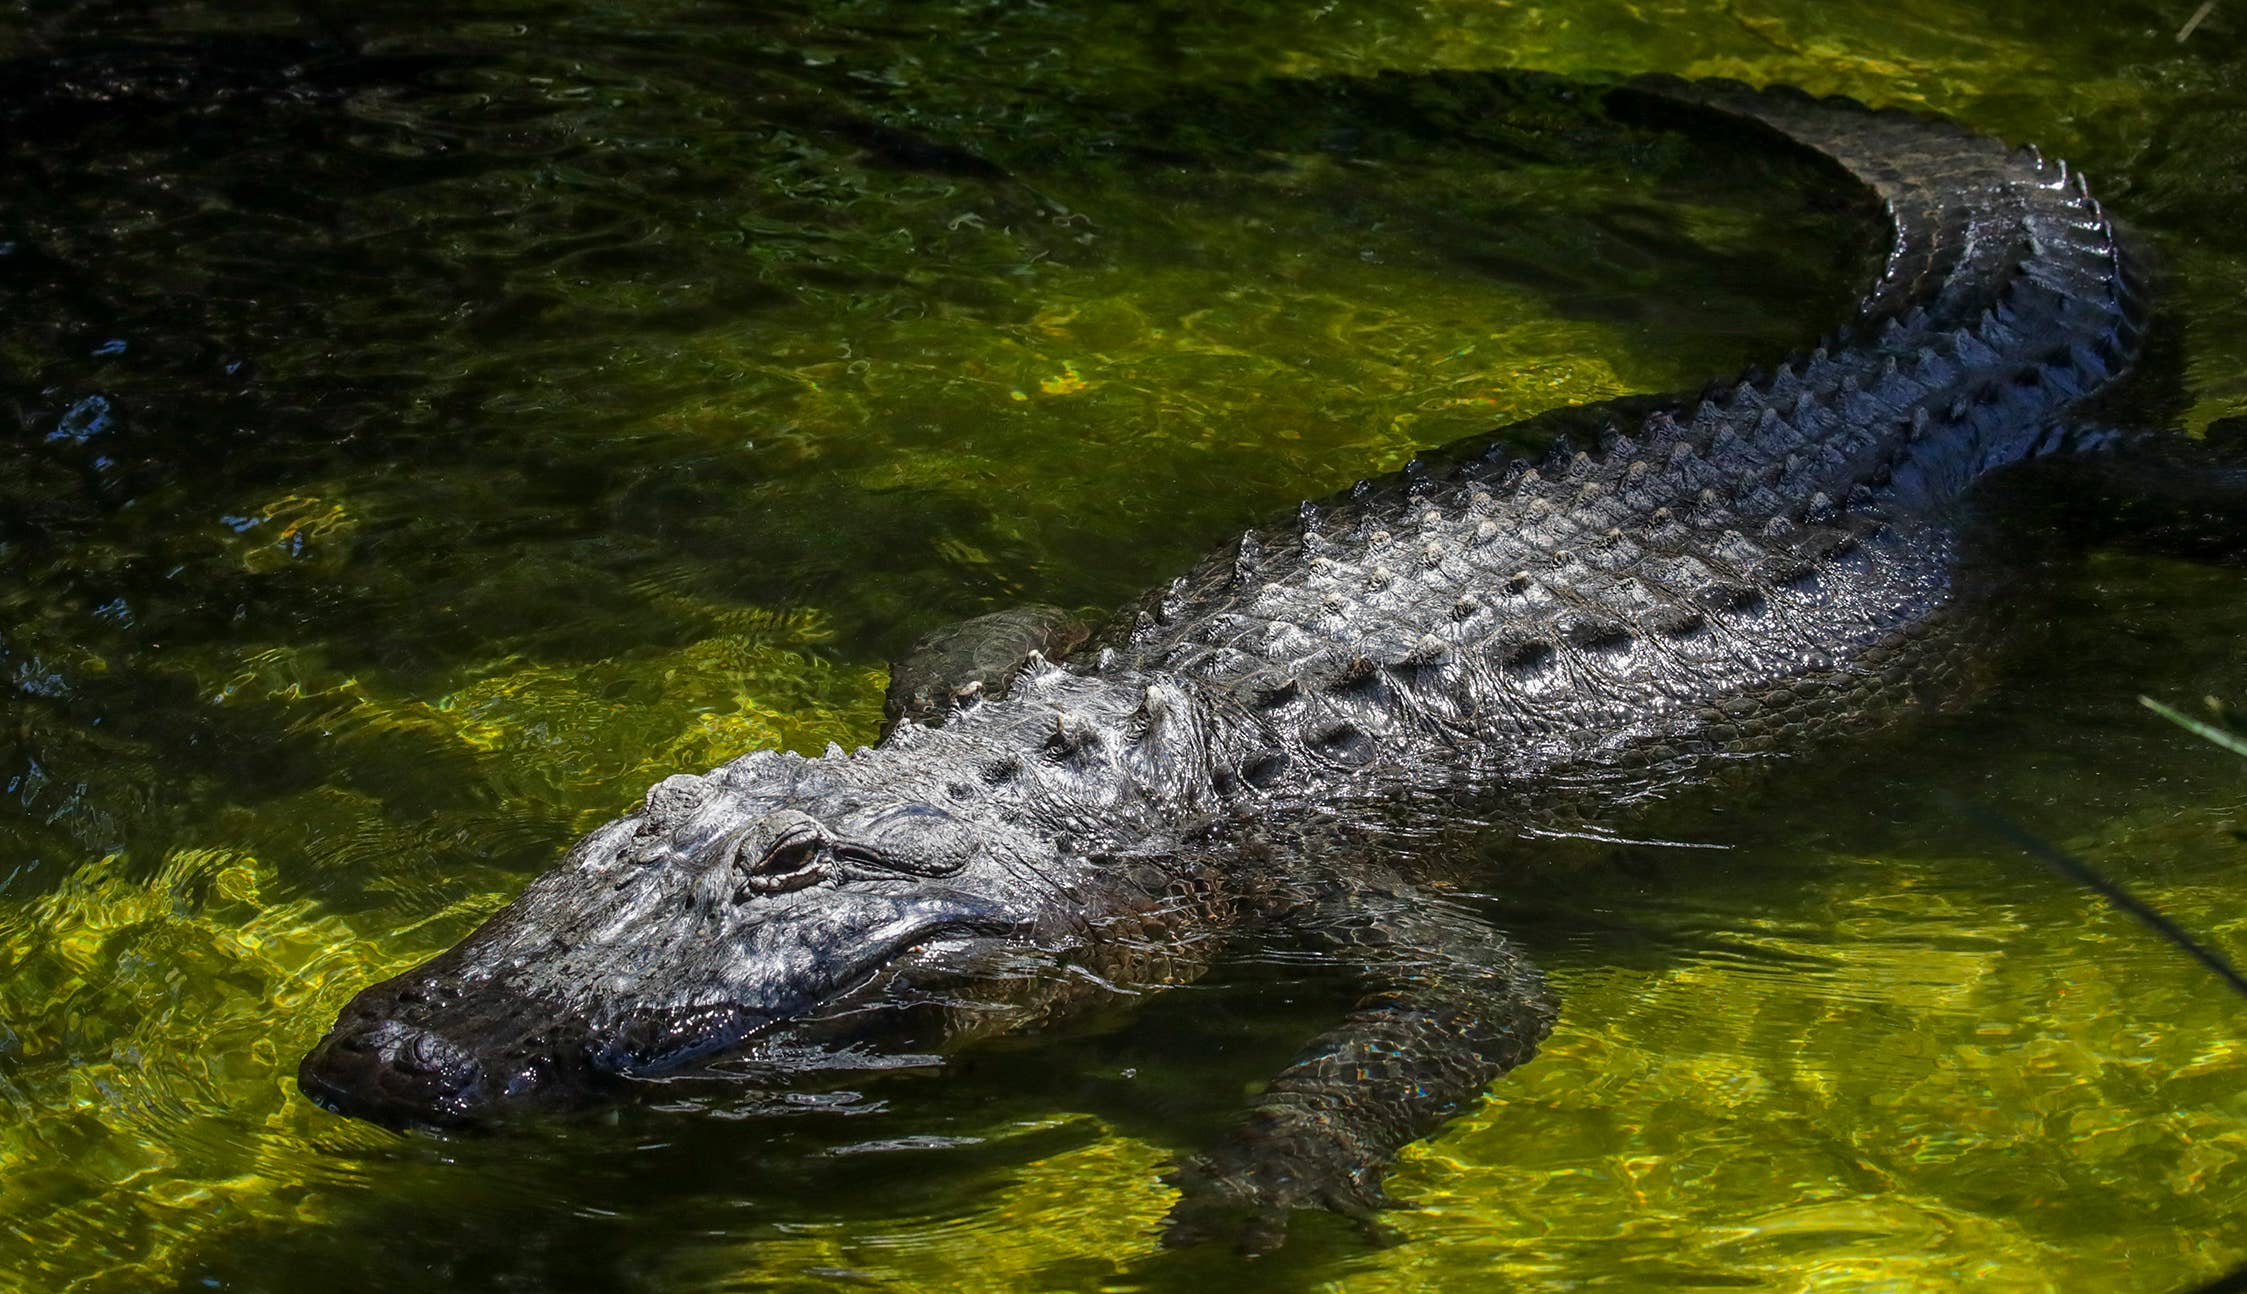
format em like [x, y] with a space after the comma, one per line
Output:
[429, 428]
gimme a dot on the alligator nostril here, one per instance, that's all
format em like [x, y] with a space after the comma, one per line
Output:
[379, 1067]
[423, 1055]
[431, 1062]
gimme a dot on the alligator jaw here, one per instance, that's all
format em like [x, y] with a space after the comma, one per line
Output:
[457, 1043]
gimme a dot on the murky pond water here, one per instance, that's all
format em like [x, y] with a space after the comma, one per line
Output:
[430, 426]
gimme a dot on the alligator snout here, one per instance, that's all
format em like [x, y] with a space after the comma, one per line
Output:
[392, 1072]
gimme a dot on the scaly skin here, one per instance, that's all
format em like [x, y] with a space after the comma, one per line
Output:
[1709, 582]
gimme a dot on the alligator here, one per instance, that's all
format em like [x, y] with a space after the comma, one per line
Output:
[1703, 584]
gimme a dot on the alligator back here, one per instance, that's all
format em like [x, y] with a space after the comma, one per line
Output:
[1712, 577]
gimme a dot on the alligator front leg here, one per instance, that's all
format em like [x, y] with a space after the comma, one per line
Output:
[976, 657]
[1450, 1005]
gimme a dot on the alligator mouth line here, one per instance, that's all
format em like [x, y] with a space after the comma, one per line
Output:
[741, 1027]
[401, 1069]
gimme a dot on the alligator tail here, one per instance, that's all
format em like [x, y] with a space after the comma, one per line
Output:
[2008, 293]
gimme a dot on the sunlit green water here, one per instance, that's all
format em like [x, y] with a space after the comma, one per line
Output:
[430, 429]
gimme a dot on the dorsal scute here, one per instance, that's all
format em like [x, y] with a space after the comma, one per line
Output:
[1687, 524]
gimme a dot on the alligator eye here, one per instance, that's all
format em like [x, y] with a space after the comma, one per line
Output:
[791, 862]
[791, 854]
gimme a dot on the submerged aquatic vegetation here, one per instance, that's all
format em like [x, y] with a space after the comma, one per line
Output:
[2223, 731]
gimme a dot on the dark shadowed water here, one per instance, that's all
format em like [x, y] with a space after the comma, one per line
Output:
[427, 425]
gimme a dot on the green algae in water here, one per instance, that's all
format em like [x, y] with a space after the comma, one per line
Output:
[551, 399]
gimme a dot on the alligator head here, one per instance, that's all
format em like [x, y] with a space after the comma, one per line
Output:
[778, 897]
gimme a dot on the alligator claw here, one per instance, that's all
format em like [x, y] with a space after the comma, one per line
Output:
[1251, 1204]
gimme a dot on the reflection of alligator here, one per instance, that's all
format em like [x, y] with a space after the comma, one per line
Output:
[1712, 582]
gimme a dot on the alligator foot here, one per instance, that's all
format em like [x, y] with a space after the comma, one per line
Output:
[1450, 1005]
[1245, 1192]
[975, 658]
